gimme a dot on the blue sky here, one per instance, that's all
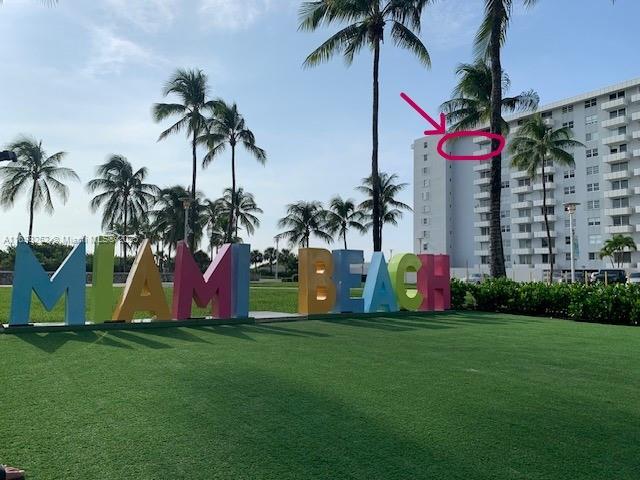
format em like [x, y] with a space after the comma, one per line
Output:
[82, 77]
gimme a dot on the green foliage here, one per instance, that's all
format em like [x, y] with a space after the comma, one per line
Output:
[615, 304]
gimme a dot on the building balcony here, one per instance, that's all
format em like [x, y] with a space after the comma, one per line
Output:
[613, 229]
[636, 190]
[550, 202]
[620, 192]
[518, 220]
[544, 250]
[482, 166]
[479, 140]
[521, 251]
[613, 104]
[616, 157]
[481, 238]
[482, 151]
[618, 175]
[636, 153]
[615, 122]
[518, 174]
[482, 181]
[612, 140]
[614, 212]
[481, 253]
[482, 223]
[635, 98]
[522, 189]
[543, 234]
[481, 195]
[481, 209]
[518, 205]
[540, 218]
[635, 116]
[636, 135]
[548, 186]
[549, 121]
[549, 169]
[522, 235]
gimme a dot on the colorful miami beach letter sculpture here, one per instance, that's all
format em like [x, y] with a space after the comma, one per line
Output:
[326, 279]
[225, 285]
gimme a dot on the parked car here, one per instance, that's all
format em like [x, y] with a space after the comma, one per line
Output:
[612, 276]
[474, 278]
[634, 277]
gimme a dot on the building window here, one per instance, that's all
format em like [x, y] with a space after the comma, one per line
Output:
[505, 184]
[593, 170]
[591, 152]
[569, 173]
[591, 119]
[570, 190]
[593, 187]
[589, 137]
[567, 240]
[426, 221]
[592, 102]
[505, 213]
[620, 167]
[567, 124]
[621, 112]
[567, 109]
[595, 239]
[593, 221]
[615, 96]
[425, 146]
[505, 228]
[548, 114]
[425, 157]
[619, 184]
[593, 205]
[592, 255]
[567, 257]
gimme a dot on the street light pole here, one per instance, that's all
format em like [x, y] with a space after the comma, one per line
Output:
[277, 255]
[186, 203]
[570, 208]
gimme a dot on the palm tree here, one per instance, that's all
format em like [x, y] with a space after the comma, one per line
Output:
[169, 215]
[245, 208]
[269, 255]
[216, 224]
[303, 220]
[390, 208]
[615, 246]
[227, 127]
[343, 215]
[190, 86]
[535, 144]
[256, 259]
[122, 193]
[488, 44]
[38, 174]
[470, 105]
[366, 22]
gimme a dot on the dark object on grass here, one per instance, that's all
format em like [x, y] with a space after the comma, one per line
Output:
[11, 473]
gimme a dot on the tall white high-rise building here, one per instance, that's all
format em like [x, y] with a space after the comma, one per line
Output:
[451, 198]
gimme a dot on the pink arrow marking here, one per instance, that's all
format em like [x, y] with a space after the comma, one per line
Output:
[440, 129]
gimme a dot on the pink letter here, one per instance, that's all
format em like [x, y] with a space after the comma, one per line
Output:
[434, 282]
[189, 284]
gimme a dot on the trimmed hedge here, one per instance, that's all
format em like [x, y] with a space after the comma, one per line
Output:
[615, 304]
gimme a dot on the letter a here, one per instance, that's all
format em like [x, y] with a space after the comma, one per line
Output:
[378, 291]
[143, 290]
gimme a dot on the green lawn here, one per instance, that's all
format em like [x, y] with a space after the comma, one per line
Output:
[449, 396]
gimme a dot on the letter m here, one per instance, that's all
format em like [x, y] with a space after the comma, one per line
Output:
[190, 285]
[69, 280]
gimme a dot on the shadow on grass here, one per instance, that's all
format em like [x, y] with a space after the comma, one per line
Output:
[50, 342]
[269, 427]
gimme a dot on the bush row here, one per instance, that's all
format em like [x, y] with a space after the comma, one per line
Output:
[616, 304]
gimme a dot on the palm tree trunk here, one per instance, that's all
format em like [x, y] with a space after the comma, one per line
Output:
[546, 223]
[496, 260]
[32, 205]
[192, 220]
[377, 228]
[124, 239]
[233, 194]
[344, 236]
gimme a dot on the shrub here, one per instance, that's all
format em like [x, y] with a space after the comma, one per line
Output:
[614, 304]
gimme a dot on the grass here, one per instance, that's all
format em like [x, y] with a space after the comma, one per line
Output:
[448, 396]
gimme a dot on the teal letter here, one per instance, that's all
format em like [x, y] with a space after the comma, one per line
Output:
[69, 279]
[378, 292]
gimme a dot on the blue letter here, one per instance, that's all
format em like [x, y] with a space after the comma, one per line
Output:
[344, 280]
[378, 292]
[240, 278]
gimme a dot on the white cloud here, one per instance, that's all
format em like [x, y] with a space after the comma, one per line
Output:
[148, 15]
[236, 14]
[111, 53]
